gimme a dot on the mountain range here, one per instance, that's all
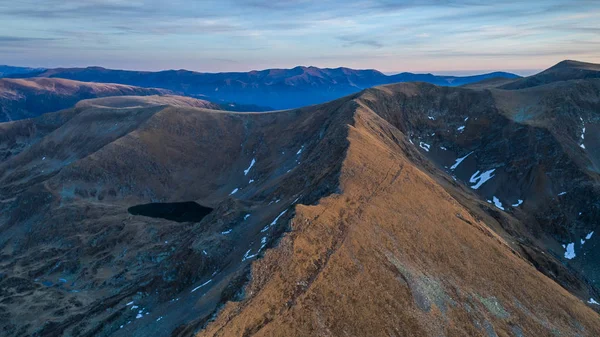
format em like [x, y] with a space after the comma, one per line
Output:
[274, 88]
[408, 209]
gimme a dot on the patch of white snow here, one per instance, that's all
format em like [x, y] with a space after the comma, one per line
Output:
[273, 222]
[249, 167]
[460, 160]
[570, 253]
[480, 179]
[202, 285]
[497, 203]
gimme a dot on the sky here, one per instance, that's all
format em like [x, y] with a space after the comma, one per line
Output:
[441, 36]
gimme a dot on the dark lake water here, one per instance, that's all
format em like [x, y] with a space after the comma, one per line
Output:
[187, 211]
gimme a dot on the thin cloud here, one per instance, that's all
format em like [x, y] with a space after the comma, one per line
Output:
[252, 33]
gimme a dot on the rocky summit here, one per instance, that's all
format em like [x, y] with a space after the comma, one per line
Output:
[408, 209]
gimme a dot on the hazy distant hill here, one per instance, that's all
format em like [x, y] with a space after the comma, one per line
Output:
[10, 70]
[565, 70]
[26, 98]
[276, 88]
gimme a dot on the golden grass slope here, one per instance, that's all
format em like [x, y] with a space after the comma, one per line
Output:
[393, 254]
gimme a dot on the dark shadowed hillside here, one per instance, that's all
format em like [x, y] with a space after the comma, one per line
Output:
[565, 70]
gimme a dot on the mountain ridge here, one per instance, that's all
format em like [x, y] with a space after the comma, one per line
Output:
[374, 214]
[276, 88]
[30, 97]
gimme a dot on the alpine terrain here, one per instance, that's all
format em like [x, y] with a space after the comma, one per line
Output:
[407, 209]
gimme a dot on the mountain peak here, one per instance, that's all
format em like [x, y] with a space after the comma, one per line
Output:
[574, 64]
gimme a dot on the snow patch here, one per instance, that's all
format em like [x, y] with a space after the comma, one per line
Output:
[570, 253]
[480, 179]
[273, 222]
[519, 202]
[432, 118]
[300, 151]
[443, 148]
[562, 193]
[200, 286]
[246, 216]
[249, 167]
[461, 128]
[226, 232]
[424, 146]
[234, 191]
[582, 133]
[497, 203]
[593, 301]
[460, 160]
[263, 243]
[248, 256]
[589, 236]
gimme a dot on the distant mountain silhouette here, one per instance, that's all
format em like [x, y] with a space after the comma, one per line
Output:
[276, 88]
[10, 70]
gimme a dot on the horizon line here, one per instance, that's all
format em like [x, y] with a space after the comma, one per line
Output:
[459, 72]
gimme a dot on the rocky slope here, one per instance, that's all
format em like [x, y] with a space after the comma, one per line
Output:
[276, 88]
[26, 98]
[73, 256]
[403, 210]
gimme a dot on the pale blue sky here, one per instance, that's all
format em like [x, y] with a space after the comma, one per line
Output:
[241, 35]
